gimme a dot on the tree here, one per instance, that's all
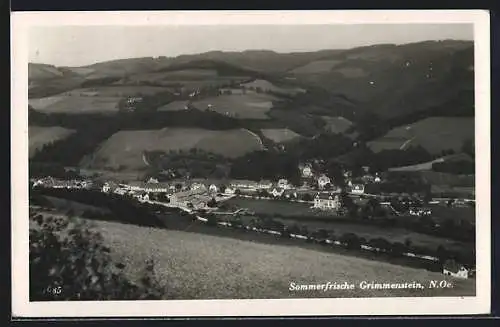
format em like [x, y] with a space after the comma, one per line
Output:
[468, 147]
[212, 220]
[398, 249]
[60, 270]
[307, 197]
[351, 241]
[442, 253]
[381, 244]
[408, 243]
[212, 203]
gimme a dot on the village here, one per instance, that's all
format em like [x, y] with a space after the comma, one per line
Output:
[317, 189]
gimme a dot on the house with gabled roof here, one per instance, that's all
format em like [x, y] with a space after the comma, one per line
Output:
[277, 192]
[327, 201]
[454, 269]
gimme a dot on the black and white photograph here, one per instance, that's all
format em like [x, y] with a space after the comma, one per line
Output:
[250, 163]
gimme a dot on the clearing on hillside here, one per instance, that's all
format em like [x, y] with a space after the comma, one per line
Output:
[318, 66]
[242, 106]
[450, 131]
[280, 135]
[76, 104]
[267, 86]
[336, 124]
[200, 266]
[124, 150]
[39, 136]
[428, 165]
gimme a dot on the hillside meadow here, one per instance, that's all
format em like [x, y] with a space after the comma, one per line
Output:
[280, 135]
[451, 132]
[124, 150]
[198, 266]
[76, 104]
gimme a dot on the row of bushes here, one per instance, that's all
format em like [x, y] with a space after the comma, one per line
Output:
[348, 240]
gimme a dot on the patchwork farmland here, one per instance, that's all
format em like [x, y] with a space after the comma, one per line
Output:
[451, 132]
[125, 149]
[39, 136]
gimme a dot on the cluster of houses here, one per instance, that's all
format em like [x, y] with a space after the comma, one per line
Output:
[50, 182]
[322, 181]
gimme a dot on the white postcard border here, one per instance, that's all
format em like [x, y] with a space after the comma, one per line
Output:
[21, 306]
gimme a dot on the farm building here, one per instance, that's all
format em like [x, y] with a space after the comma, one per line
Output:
[244, 184]
[452, 268]
[326, 201]
[264, 185]
[154, 187]
[420, 211]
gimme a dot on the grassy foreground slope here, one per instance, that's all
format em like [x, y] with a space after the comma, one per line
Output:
[198, 266]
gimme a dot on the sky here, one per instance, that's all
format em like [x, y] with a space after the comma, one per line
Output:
[84, 45]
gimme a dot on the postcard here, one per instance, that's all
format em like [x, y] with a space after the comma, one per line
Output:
[250, 163]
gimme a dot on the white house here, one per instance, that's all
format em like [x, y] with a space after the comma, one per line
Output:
[143, 197]
[120, 191]
[358, 189]
[229, 190]
[152, 180]
[323, 180]
[452, 268]
[277, 192]
[283, 183]
[213, 188]
[306, 171]
[327, 201]
[196, 186]
[106, 188]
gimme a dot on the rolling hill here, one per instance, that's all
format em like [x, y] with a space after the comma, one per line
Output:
[375, 88]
